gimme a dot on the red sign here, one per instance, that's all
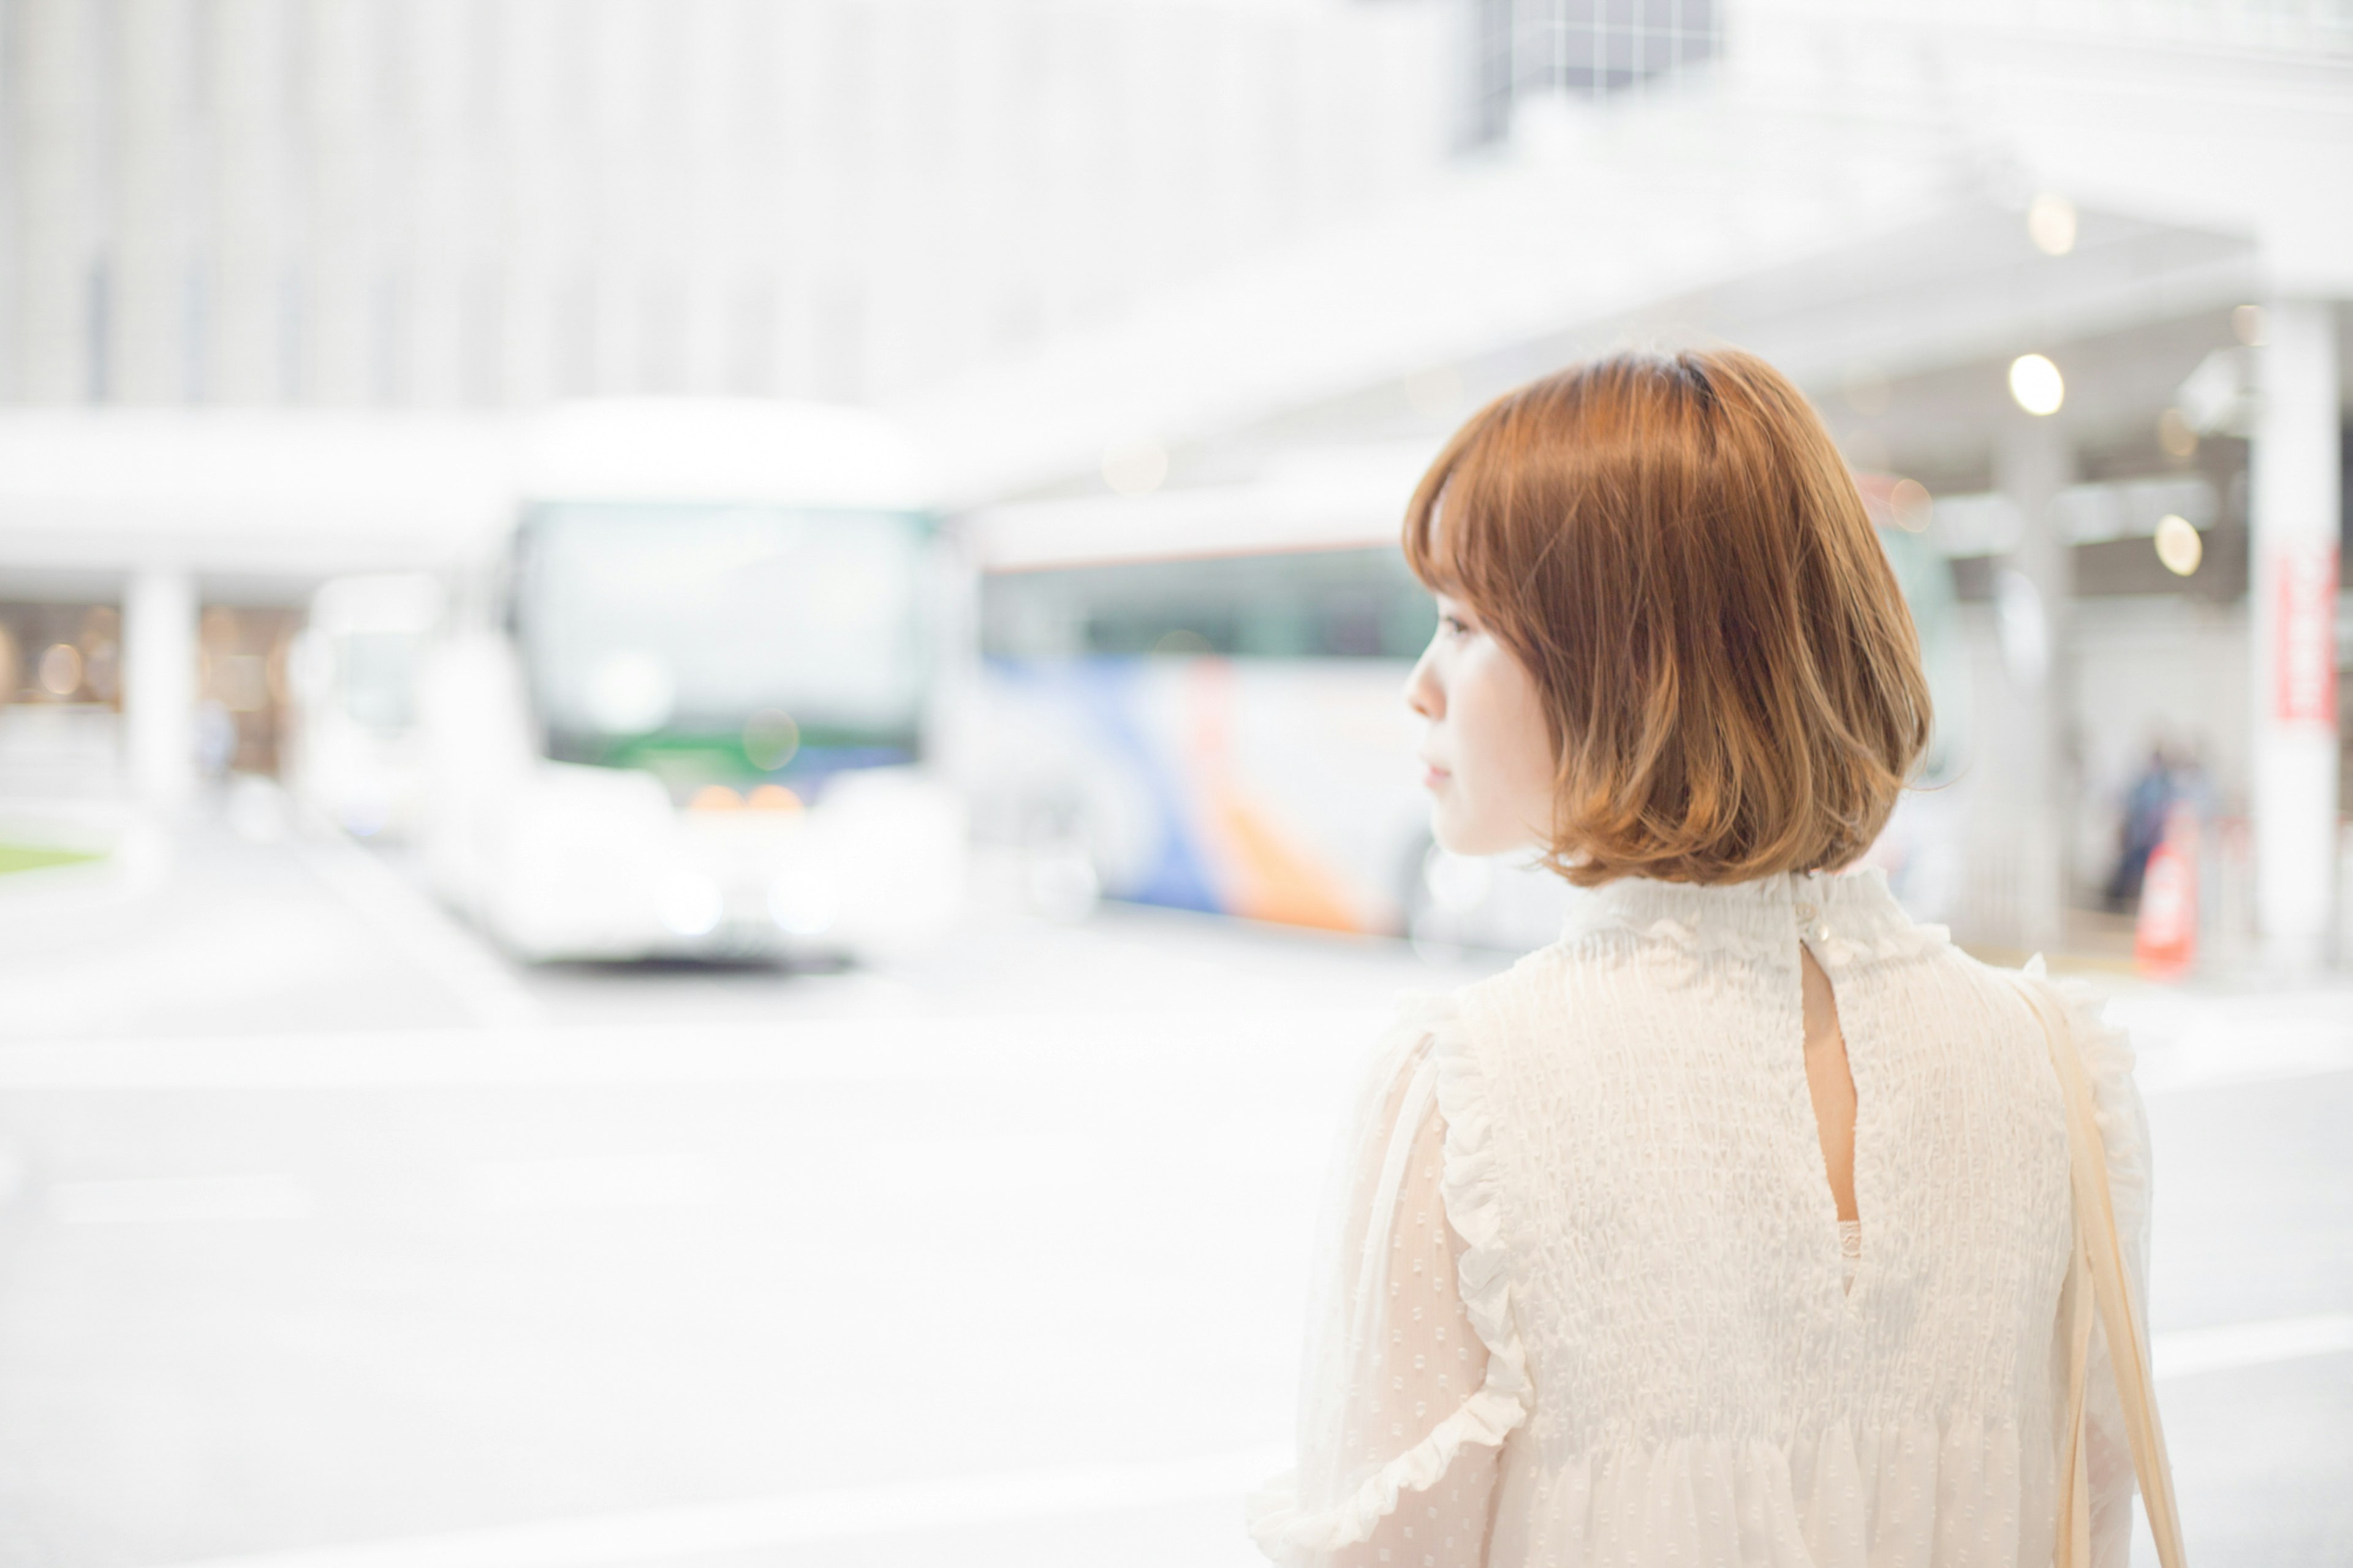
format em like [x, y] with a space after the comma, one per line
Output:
[2304, 671]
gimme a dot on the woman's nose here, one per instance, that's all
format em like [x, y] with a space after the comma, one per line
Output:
[1421, 690]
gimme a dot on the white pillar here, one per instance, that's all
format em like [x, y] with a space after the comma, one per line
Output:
[248, 309]
[48, 90]
[2294, 505]
[337, 155]
[159, 684]
[151, 125]
[2034, 462]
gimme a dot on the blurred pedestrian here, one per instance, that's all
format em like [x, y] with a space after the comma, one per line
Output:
[2148, 801]
[215, 739]
[1736, 1225]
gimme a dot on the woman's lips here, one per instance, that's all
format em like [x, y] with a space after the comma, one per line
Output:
[1433, 776]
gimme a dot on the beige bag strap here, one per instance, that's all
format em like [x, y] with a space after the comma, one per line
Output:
[2096, 1280]
[2075, 1493]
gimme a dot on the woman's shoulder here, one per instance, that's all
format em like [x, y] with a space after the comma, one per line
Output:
[2104, 1046]
[1597, 961]
[2075, 1009]
[1469, 1031]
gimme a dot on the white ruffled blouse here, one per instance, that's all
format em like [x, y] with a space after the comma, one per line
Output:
[1586, 1300]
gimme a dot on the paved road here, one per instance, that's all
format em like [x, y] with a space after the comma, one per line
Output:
[322, 1227]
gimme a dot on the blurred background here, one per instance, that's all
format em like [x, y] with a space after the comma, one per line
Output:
[703, 789]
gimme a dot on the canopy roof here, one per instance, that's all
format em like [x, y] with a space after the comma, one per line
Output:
[1843, 183]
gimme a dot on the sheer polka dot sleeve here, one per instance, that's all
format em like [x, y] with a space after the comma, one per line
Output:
[1430, 1363]
[1397, 1467]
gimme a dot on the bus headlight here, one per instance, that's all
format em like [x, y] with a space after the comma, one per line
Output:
[689, 905]
[802, 903]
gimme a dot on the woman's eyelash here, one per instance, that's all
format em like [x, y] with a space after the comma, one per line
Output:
[1454, 622]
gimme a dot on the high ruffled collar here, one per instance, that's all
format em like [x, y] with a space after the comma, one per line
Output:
[1844, 915]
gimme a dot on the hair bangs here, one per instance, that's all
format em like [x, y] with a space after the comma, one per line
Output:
[1448, 544]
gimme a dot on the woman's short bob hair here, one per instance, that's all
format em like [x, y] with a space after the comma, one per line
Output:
[1673, 547]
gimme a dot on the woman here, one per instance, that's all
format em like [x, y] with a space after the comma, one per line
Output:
[1731, 1228]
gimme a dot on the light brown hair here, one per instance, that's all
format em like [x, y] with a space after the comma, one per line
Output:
[1673, 547]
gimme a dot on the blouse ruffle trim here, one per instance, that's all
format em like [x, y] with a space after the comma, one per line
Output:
[1471, 1189]
[2107, 1056]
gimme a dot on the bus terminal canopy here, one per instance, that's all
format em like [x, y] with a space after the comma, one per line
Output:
[1845, 182]
[720, 452]
[301, 495]
[249, 491]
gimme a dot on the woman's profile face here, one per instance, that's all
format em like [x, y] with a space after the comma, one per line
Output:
[1486, 751]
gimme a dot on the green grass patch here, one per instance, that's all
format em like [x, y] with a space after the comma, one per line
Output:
[36, 858]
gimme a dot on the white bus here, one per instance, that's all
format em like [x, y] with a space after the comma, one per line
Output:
[695, 718]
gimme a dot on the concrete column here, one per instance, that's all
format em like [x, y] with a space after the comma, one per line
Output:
[448, 227]
[540, 192]
[152, 128]
[49, 92]
[2293, 498]
[159, 684]
[2032, 463]
[622, 157]
[336, 154]
[705, 147]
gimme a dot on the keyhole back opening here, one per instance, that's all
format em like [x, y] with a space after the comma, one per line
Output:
[1830, 1082]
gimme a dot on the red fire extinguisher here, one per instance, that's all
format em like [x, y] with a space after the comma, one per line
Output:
[2165, 938]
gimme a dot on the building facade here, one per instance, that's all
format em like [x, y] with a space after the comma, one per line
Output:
[405, 204]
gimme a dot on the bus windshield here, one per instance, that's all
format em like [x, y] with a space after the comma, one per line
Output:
[754, 633]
